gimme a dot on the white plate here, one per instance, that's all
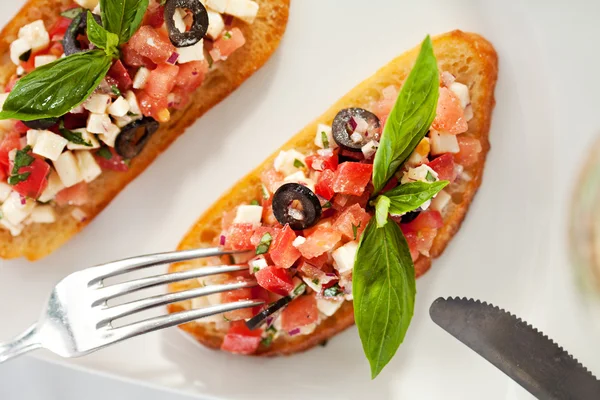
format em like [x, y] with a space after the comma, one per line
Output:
[509, 250]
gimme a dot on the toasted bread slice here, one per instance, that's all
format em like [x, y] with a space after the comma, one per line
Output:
[473, 61]
[262, 38]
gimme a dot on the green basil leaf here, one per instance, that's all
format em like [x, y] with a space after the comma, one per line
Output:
[265, 244]
[123, 17]
[22, 159]
[55, 89]
[101, 37]
[410, 118]
[73, 137]
[383, 284]
[410, 196]
[105, 153]
[382, 206]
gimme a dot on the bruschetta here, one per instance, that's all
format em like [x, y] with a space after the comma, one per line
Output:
[93, 93]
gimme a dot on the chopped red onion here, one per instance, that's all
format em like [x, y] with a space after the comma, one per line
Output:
[294, 332]
[352, 123]
[173, 58]
[23, 200]
[331, 274]
[269, 321]
[222, 240]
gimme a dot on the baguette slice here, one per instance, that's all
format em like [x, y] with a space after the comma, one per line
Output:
[473, 61]
[262, 38]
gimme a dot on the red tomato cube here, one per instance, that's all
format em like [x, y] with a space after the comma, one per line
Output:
[271, 179]
[444, 166]
[324, 186]
[241, 340]
[450, 116]
[155, 15]
[352, 178]
[162, 80]
[321, 163]
[352, 222]
[321, 241]
[191, 75]
[425, 239]
[147, 42]
[77, 195]
[234, 296]
[429, 219]
[10, 142]
[282, 252]
[37, 180]
[411, 239]
[120, 74]
[224, 46]
[300, 312]
[114, 163]
[275, 280]
[238, 237]
[470, 148]
[260, 232]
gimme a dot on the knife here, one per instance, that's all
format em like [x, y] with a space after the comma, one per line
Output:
[519, 350]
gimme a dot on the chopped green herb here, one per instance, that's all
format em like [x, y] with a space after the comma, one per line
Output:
[72, 12]
[255, 270]
[272, 329]
[227, 35]
[73, 137]
[333, 291]
[115, 90]
[105, 153]
[299, 164]
[265, 243]
[255, 203]
[299, 290]
[325, 140]
[132, 114]
[22, 159]
[267, 341]
[265, 192]
[25, 56]
[355, 230]
[315, 281]
[127, 162]
[430, 177]
[326, 205]
[18, 178]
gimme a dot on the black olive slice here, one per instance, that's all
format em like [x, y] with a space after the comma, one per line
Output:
[410, 216]
[199, 26]
[342, 128]
[262, 316]
[284, 206]
[127, 144]
[78, 27]
[44, 123]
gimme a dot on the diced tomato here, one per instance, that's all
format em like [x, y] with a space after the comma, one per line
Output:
[115, 163]
[300, 312]
[58, 30]
[260, 232]
[241, 340]
[162, 80]
[238, 237]
[450, 116]
[353, 218]
[29, 64]
[282, 252]
[352, 178]
[152, 106]
[234, 296]
[319, 261]
[321, 241]
[132, 58]
[37, 180]
[469, 150]
[77, 195]
[411, 239]
[147, 42]
[119, 73]
[11, 83]
[225, 45]
[10, 142]
[56, 49]
[392, 183]
[429, 219]
[155, 15]
[316, 275]
[271, 179]
[75, 121]
[21, 128]
[275, 280]
[425, 239]
[353, 155]
[444, 166]
[384, 106]
[321, 163]
[179, 98]
[324, 186]
[3, 173]
[191, 74]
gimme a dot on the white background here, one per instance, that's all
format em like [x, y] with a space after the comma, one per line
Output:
[511, 250]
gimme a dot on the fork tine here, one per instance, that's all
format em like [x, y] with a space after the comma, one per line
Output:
[133, 264]
[106, 293]
[127, 309]
[169, 320]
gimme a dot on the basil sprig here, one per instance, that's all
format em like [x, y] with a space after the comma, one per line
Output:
[410, 196]
[384, 289]
[123, 17]
[73, 137]
[410, 118]
[102, 38]
[22, 159]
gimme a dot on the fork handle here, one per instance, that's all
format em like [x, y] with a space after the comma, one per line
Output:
[24, 343]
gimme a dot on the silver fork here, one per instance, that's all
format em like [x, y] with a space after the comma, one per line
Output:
[76, 319]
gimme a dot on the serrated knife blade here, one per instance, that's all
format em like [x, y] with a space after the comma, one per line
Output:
[519, 350]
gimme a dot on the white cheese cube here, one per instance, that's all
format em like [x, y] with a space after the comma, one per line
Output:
[15, 230]
[141, 78]
[43, 215]
[67, 169]
[97, 10]
[370, 149]
[343, 257]
[324, 137]
[248, 214]
[462, 92]
[134, 107]
[329, 307]
[17, 208]
[49, 145]
[35, 34]
[3, 97]
[299, 241]
[111, 135]
[55, 185]
[419, 155]
[469, 112]
[78, 109]
[122, 122]
[178, 17]
[89, 4]
[299, 177]
[361, 125]
[256, 264]
[88, 167]
[86, 136]
[97, 103]
[5, 190]
[20, 71]
[98, 123]
[285, 160]
[245, 10]
[440, 201]
[419, 174]
[119, 107]
[217, 5]
[216, 24]
[202, 302]
[443, 143]
[17, 49]
[32, 136]
[38, 61]
[191, 53]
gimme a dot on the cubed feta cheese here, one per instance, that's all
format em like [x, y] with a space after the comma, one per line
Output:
[245, 10]
[216, 24]
[440, 201]
[443, 143]
[67, 169]
[191, 53]
[54, 186]
[141, 78]
[88, 167]
[89, 4]
[35, 34]
[462, 92]
[15, 230]
[86, 136]
[370, 149]
[20, 71]
[248, 214]
[17, 208]
[3, 97]
[97, 103]
[217, 5]
[299, 241]
[324, 137]
[469, 112]
[285, 160]
[5, 190]
[422, 173]
[43, 215]
[119, 107]
[17, 49]
[299, 177]
[343, 257]
[98, 123]
[38, 61]
[79, 215]
[134, 107]
[49, 145]
[178, 17]
[122, 122]
[329, 307]
[32, 136]
[257, 263]
[419, 155]
[110, 136]
[361, 125]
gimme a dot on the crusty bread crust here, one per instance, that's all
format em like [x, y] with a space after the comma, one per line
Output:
[473, 61]
[262, 38]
